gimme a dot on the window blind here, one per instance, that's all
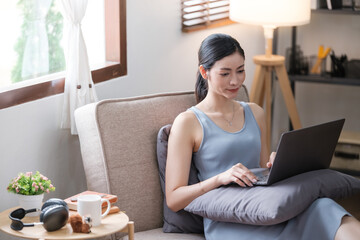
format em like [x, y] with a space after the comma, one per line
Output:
[199, 14]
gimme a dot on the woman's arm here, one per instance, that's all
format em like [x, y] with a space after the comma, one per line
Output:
[259, 115]
[185, 133]
[180, 148]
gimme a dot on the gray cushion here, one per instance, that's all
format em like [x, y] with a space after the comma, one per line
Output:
[181, 221]
[268, 205]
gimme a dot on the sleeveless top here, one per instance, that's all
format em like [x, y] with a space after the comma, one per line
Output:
[220, 150]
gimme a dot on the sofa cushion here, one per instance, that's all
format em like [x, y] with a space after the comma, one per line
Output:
[181, 221]
[276, 203]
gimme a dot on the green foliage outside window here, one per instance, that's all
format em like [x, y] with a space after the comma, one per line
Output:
[54, 30]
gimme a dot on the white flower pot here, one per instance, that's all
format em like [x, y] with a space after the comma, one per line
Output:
[31, 201]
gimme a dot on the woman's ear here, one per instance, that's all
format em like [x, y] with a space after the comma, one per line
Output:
[203, 72]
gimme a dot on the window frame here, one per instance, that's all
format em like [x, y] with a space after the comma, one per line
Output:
[205, 25]
[115, 65]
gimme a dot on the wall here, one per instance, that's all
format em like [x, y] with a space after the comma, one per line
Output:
[322, 102]
[160, 59]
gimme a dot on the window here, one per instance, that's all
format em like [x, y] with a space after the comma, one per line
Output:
[31, 47]
[114, 65]
[200, 14]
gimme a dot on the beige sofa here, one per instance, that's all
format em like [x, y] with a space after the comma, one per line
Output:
[118, 146]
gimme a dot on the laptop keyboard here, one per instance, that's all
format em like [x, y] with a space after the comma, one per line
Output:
[262, 178]
[262, 175]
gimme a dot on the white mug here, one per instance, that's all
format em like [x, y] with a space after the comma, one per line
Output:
[90, 206]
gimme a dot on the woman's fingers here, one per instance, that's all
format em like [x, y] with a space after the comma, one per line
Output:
[243, 176]
[239, 182]
[272, 157]
[271, 160]
[238, 174]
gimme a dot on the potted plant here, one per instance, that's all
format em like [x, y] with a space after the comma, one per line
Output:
[30, 189]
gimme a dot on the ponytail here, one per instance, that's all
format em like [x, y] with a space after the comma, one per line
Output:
[201, 88]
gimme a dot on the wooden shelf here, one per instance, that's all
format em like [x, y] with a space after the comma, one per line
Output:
[325, 79]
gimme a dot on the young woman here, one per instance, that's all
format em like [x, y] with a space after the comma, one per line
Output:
[225, 138]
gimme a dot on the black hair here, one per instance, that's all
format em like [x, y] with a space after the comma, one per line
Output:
[212, 49]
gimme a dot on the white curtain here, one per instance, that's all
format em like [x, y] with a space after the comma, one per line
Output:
[79, 87]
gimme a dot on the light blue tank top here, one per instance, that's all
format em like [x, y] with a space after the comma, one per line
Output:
[220, 150]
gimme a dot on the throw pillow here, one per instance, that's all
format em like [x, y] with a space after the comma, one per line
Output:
[181, 221]
[268, 205]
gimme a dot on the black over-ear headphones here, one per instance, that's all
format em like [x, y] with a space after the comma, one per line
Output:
[54, 215]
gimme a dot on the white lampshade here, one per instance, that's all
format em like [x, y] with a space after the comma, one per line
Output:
[271, 13]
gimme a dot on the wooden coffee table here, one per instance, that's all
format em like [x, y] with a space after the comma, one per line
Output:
[112, 223]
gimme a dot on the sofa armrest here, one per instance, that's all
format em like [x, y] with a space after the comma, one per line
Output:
[91, 149]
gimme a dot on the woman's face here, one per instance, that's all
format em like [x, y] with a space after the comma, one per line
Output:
[227, 75]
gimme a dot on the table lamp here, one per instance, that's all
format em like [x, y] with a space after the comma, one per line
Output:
[271, 14]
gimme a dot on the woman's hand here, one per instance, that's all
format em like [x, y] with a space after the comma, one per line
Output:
[271, 160]
[238, 174]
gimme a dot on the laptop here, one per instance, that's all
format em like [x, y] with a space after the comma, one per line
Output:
[300, 151]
